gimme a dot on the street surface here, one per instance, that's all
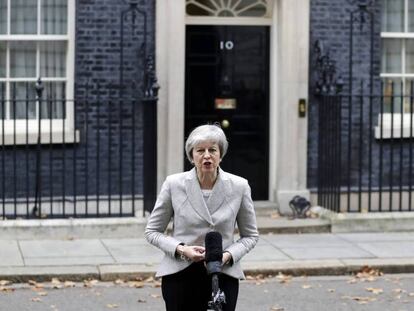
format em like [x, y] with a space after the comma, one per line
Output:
[365, 291]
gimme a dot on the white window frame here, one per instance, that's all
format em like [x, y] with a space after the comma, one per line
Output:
[391, 123]
[55, 131]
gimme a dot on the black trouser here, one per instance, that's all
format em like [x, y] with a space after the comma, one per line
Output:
[190, 289]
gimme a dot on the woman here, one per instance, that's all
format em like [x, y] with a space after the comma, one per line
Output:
[201, 200]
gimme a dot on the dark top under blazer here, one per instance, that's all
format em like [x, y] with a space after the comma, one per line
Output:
[181, 199]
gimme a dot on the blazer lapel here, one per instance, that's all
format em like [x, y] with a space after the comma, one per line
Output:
[220, 190]
[195, 196]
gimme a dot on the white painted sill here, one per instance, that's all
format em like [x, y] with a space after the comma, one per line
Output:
[391, 131]
[69, 136]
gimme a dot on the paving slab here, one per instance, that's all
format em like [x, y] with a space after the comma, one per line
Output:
[68, 261]
[389, 249]
[374, 237]
[10, 254]
[332, 252]
[265, 253]
[132, 251]
[305, 240]
[62, 248]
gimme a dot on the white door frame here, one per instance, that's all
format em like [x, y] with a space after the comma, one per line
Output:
[288, 82]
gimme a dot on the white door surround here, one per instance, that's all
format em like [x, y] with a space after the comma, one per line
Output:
[288, 83]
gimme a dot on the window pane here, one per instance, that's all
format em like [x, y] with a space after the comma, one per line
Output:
[3, 17]
[391, 56]
[23, 16]
[392, 95]
[393, 15]
[23, 103]
[2, 97]
[53, 102]
[410, 16]
[54, 17]
[228, 8]
[2, 59]
[409, 99]
[22, 59]
[409, 52]
[52, 59]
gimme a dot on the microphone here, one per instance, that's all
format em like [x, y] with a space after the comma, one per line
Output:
[213, 258]
[214, 252]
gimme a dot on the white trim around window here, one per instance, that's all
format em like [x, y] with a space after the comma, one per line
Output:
[55, 131]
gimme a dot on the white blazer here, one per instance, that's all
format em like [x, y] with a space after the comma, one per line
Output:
[181, 198]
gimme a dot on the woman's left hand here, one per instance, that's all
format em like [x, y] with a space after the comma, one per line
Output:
[226, 257]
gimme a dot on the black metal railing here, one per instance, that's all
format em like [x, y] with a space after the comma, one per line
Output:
[365, 150]
[85, 161]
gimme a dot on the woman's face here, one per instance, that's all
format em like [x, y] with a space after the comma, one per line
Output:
[206, 157]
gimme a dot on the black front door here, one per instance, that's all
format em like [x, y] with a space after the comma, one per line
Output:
[227, 81]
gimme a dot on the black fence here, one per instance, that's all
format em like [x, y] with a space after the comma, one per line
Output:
[74, 158]
[366, 150]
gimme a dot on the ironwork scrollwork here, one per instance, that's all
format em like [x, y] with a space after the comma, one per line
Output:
[327, 82]
[151, 84]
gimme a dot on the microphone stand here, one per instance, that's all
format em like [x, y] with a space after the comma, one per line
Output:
[217, 295]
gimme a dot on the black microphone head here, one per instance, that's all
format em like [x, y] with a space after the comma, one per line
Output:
[214, 246]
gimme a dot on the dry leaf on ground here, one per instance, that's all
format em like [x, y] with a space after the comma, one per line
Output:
[112, 305]
[283, 278]
[4, 282]
[360, 299]
[136, 284]
[90, 283]
[375, 291]
[36, 299]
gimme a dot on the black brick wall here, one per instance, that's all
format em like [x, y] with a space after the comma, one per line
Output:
[330, 22]
[97, 112]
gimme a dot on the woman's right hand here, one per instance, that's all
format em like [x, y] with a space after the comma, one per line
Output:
[193, 252]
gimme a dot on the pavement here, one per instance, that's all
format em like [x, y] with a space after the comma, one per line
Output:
[296, 247]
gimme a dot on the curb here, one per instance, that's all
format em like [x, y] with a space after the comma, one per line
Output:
[108, 273]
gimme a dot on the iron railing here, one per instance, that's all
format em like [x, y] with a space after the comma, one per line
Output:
[85, 162]
[365, 151]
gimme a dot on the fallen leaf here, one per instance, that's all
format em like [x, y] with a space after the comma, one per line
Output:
[150, 279]
[6, 289]
[142, 300]
[156, 284]
[56, 283]
[36, 299]
[4, 282]
[69, 284]
[275, 215]
[277, 309]
[375, 291]
[306, 286]
[112, 305]
[411, 294]
[360, 299]
[283, 278]
[136, 284]
[42, 293]
[35, 284]
[155, 296]
[119, 281]
[331, 290]
[90, 283]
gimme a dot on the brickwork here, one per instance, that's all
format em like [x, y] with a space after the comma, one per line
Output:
[97, 65]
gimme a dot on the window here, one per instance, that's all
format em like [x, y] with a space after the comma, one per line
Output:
[397, 65]
[229, 8]
[36, 40]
